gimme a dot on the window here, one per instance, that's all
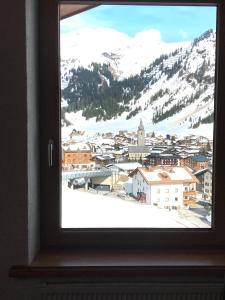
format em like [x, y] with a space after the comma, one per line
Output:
[98, 87]
[50, 179]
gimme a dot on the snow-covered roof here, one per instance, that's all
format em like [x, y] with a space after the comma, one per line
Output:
[118, 151]
[107, 141]
[199, 172]
[161, 175]
[157, 151]
[127, 166]
[104, 157]
[77, 147]
[167, 155]
[192, 151]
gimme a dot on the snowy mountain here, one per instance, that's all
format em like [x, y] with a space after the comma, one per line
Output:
[126, 55]
[172, 93]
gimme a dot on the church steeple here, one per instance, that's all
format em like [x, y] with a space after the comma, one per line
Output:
[141, 126]
[141, 134]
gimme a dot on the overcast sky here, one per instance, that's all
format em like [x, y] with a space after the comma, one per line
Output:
[175, 23]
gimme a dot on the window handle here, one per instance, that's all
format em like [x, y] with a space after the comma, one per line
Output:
[50, 152]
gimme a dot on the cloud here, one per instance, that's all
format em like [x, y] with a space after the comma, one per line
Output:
[183, 34]
[99, 40]
[150, 35]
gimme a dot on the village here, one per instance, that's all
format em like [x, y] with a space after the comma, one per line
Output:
[147, 168]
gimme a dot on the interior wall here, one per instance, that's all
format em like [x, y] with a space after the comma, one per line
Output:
[32, 127]
[18, 80]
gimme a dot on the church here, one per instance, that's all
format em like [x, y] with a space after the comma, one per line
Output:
[140, 151]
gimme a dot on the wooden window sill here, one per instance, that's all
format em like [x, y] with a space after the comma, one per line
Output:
[129, 264]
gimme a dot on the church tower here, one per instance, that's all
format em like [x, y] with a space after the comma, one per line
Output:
[141, 134]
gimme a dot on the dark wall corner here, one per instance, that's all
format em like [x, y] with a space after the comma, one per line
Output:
[19, 140]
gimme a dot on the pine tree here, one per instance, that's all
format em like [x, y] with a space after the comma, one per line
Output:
[208, 147]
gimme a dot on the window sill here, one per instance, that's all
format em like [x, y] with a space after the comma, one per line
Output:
[129, 264]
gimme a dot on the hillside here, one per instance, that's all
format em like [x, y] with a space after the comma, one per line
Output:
[176, 89]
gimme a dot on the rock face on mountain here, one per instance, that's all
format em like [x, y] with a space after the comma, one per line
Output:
[177, 87]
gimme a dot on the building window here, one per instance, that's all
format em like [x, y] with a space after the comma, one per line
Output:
[88, 113]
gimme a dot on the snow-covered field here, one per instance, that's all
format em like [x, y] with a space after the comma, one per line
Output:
[86, 210]
[165, 127]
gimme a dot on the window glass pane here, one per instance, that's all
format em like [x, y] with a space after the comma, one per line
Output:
[137, 115]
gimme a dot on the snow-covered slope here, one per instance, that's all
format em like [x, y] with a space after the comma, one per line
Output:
[178, 91]
[126, 55]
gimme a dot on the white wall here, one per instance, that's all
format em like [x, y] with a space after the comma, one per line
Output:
[166, 191]
[139, 184]
[161, 196]
[128, 186]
